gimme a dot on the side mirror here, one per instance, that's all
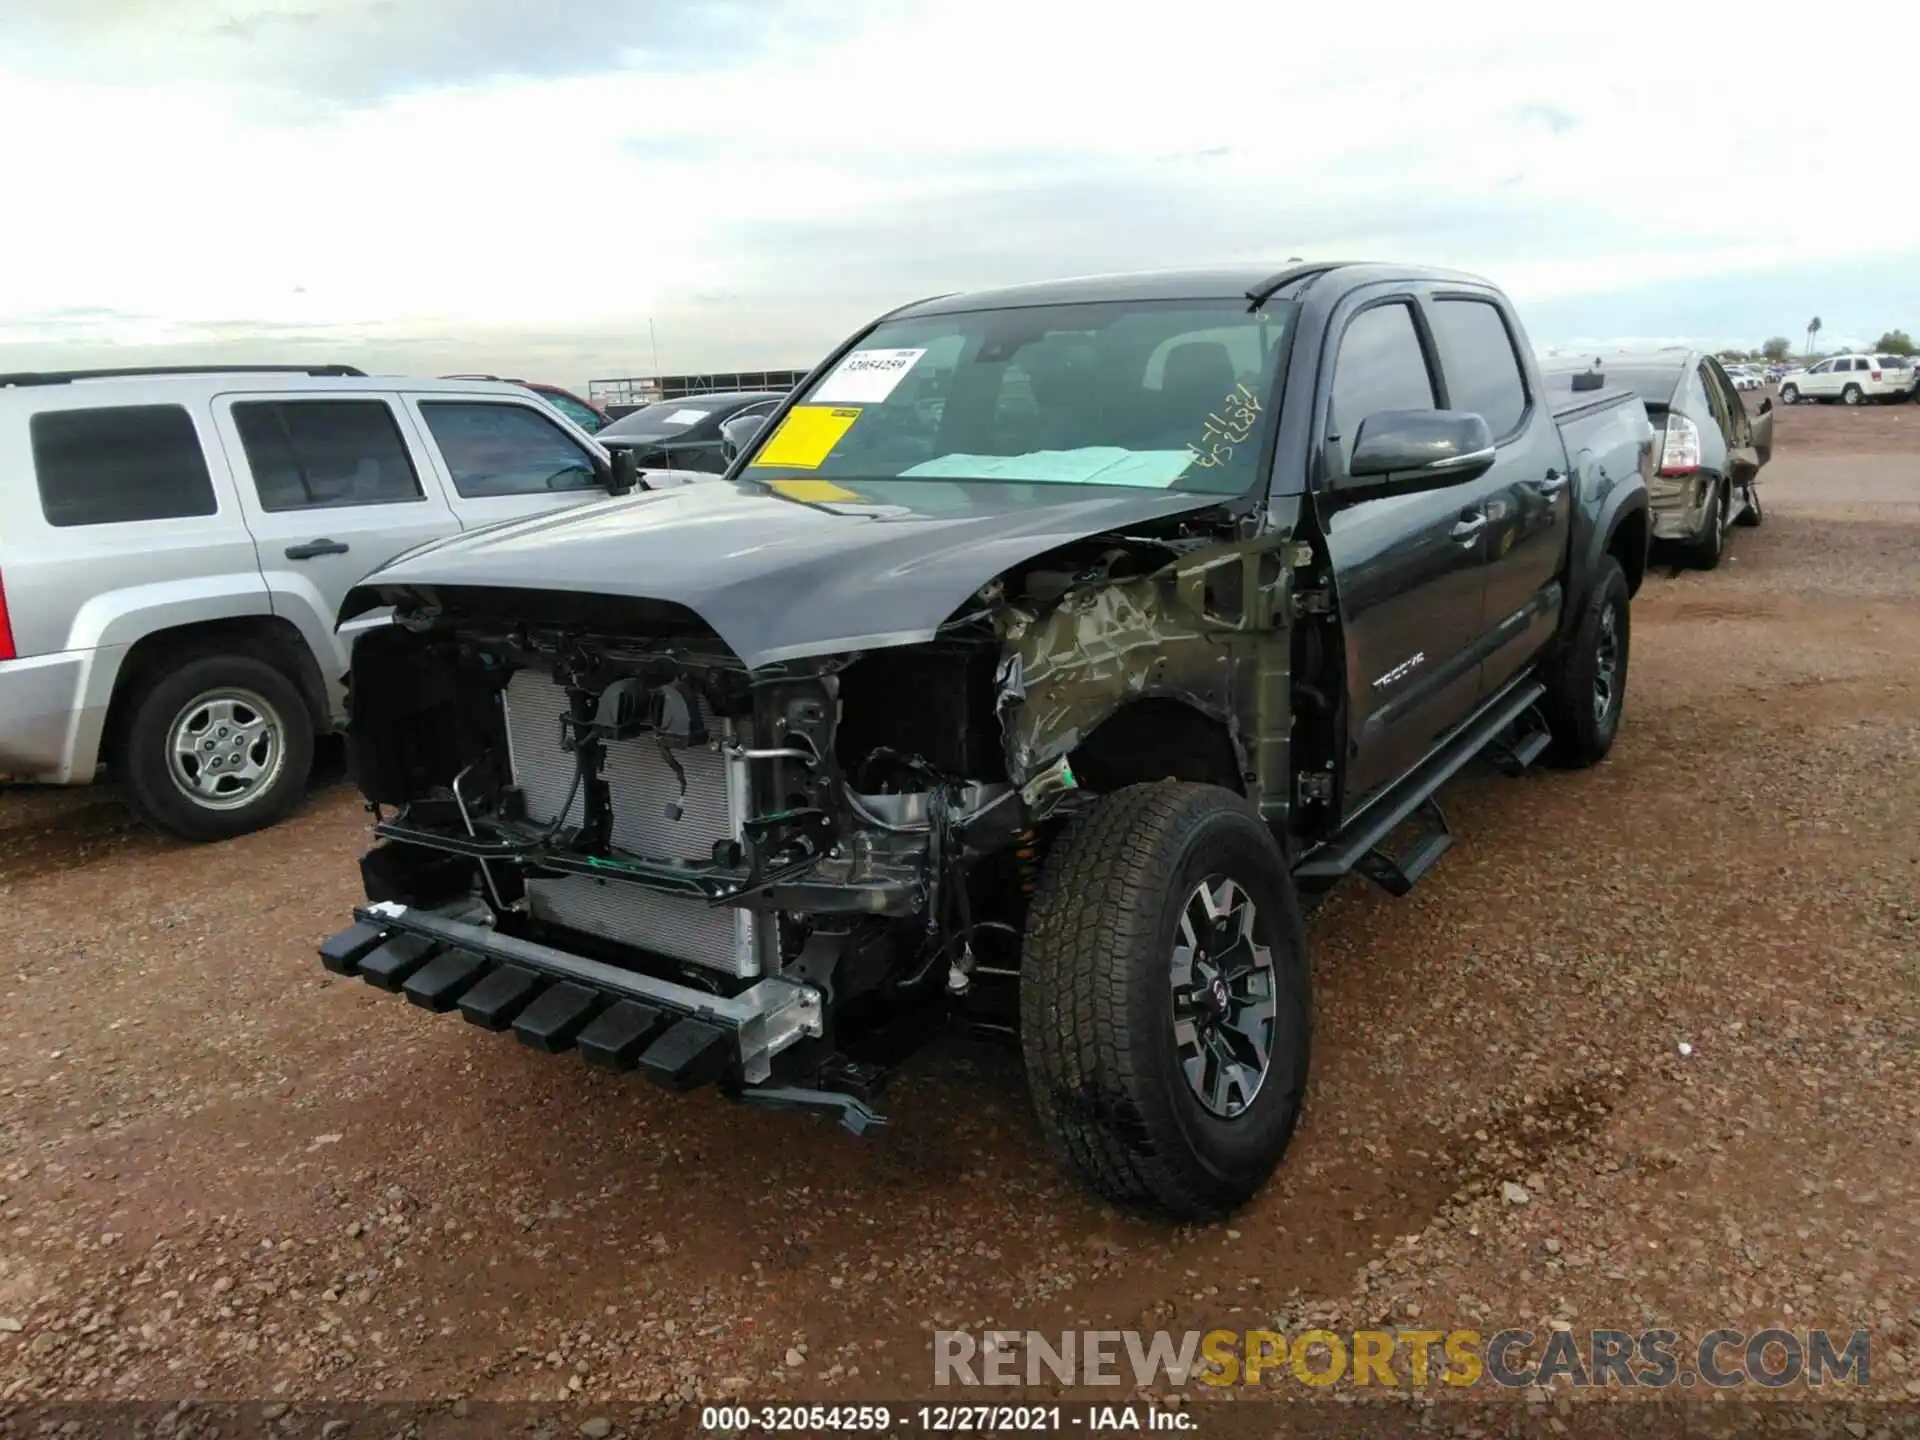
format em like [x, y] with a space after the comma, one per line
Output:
[623, 471]
[1399, 452]
[736, 434]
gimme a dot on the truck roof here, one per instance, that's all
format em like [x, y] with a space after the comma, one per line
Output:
[1222, 283]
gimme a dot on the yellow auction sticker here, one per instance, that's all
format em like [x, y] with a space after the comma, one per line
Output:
[814, 492]
[806, 437]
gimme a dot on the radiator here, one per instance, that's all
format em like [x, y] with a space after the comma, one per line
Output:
[642, 791]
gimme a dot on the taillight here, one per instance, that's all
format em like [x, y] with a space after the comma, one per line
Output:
[1680, 455]
[1873, 374]
[6, 626]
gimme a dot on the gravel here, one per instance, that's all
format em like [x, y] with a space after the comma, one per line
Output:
[1639, 1051]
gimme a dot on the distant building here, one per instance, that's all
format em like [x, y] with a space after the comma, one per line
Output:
[637, 390]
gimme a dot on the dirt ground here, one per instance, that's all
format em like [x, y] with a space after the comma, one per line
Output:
[224, 1173]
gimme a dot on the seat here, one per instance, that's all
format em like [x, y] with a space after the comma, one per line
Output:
[1198, 378]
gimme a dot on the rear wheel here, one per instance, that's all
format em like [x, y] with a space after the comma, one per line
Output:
[1164, 1007]
[1587, 686]
[1708, 544]
[218, 746]
[1852, 395]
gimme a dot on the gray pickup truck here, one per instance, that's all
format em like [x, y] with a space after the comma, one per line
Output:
[1029, 663]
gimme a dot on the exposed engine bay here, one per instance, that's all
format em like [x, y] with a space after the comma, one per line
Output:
[810, 858]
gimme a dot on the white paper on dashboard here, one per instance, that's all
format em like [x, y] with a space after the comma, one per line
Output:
[1092, 465]
[865, 377]
[686, 417]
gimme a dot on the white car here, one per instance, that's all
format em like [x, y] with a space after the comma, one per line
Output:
[175, 545]
[1851, 379]
[1745, 377]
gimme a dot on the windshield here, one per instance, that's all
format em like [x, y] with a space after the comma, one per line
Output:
[668, 417]
[1156, 394]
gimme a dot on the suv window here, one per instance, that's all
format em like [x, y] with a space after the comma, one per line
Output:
[581, 415]
[1478, 359]
[112, 465]
[1380, 367]
[317, 454]
[502, 449]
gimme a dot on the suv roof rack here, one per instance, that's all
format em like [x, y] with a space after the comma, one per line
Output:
[61, 377]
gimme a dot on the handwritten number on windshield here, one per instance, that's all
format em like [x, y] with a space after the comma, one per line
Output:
[1226, 428]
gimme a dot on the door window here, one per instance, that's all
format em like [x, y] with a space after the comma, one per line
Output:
[125, 462]
[582, 415]
[1716, 402]
[319, 454]
[1380, 366]
[500, 449]
[1477, 357]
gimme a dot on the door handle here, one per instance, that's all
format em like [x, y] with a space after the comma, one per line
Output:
[1552, 484]
[1468, 527]
[314, 548]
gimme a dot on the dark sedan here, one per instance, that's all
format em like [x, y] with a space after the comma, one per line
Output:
[685, 434]
[1711, 449]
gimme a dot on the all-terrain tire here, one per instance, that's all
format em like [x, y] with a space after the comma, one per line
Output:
[1709, 543]
[1580, 725]
[1751, 515]
[197, 692]
[1097, 999]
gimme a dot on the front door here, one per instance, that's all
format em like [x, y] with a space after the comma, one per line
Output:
[1527, 495]
[501, 458]
[1408, 566]
[331, 490]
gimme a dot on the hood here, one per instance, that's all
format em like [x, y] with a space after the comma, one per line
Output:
[777, 577]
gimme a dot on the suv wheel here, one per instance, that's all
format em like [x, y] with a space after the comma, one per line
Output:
[1164, 1008]
[1709, 541]
[1587, 686]
[1851, 395]
[217, 747]
[1790, 394]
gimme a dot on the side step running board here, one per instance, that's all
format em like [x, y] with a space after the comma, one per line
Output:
[1397, 874]
[1515, 752]
[1358, 845]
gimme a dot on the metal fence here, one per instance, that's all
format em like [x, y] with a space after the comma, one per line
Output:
[647, 389]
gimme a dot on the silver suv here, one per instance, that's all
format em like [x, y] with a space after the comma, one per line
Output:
[175, 544]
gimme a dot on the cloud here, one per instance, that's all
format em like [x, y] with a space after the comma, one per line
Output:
[463, 184]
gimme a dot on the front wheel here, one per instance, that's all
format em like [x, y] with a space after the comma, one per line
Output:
[1164, 1007]
[1852, 395]
[1587, 686]
[216, 747]
[1790, 394]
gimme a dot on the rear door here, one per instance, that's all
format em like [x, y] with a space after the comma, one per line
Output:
[501, 458]
[1407, 566]
[331, 489]
[1526, 498]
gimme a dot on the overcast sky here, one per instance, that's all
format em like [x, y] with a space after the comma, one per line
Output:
[497, 184]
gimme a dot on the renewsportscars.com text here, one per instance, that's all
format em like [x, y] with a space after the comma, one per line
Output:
[1648, 1359]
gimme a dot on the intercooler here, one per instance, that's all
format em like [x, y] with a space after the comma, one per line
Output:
[645, 797]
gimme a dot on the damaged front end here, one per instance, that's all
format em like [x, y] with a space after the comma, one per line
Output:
[596, 826]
